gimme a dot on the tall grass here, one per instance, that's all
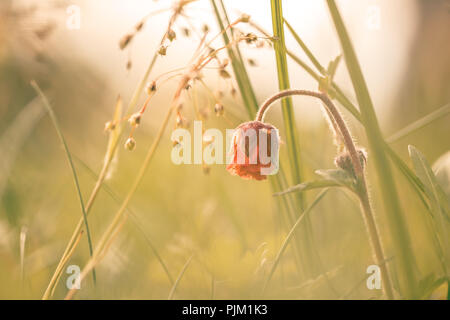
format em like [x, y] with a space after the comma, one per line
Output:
[309, 259]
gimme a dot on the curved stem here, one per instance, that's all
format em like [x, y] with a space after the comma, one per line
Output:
[362, 191]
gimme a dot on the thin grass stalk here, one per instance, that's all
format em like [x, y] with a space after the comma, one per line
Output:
[404, 258]
[290, 236]
[119, 216]
[249, 98]
[134, 219]
[309, 259]
[177, 282]
[103, 173]
[71, 164]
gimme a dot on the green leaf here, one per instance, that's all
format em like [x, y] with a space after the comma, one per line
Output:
[433, 191]
[332, 67]
[309, 185]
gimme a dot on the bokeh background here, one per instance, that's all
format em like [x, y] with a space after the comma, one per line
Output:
[233, 227]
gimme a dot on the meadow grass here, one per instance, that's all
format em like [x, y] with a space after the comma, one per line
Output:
[235, 251]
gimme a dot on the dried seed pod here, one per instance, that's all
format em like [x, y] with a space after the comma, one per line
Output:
[251, 62]
[129, 64]
[162, 50]
[250, 37]
[130, 144]
[139, 26]
[205, 28]
[151, 87]
[125, 41]
[244, 18]
[219, 109]
[224, 74]
[186, 32]
[109, 126]
[171, 35]
[233, 92]
[135, 119]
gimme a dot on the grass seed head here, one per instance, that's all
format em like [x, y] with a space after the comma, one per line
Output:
[171, 35]
[162, 51]
[130, 144]
[125, 41]
[135, 119]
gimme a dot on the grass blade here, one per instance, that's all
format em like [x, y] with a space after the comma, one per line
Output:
[134, 219]
[419, 124]
[396, 221]
[289, 237]
[72, 167]
[177, 282]
[241, 75]
[305, 49]
[309, 260]
[310, 185]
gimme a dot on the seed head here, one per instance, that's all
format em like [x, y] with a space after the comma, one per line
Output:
[109, 126]
[162, 50]
[218, 109]
[244, 18]
[252, 62]
[130, 144]
[186, 32]
[171, 35]
[139, 26]
[125, 41]
[135, 119]
[250, 37]
[151, 87]
[224, 74]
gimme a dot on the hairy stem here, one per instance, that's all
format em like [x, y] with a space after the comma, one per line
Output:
[362, 191]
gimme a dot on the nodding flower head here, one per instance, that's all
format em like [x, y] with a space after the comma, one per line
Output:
[254, 151]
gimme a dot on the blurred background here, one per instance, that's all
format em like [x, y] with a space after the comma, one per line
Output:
[234, 227]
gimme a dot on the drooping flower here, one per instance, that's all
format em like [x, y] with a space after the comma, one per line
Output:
[254, 151]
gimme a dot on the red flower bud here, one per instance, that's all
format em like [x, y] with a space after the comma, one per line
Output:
[254, 150]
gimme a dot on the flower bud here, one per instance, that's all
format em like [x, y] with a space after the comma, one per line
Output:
[344, 161]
